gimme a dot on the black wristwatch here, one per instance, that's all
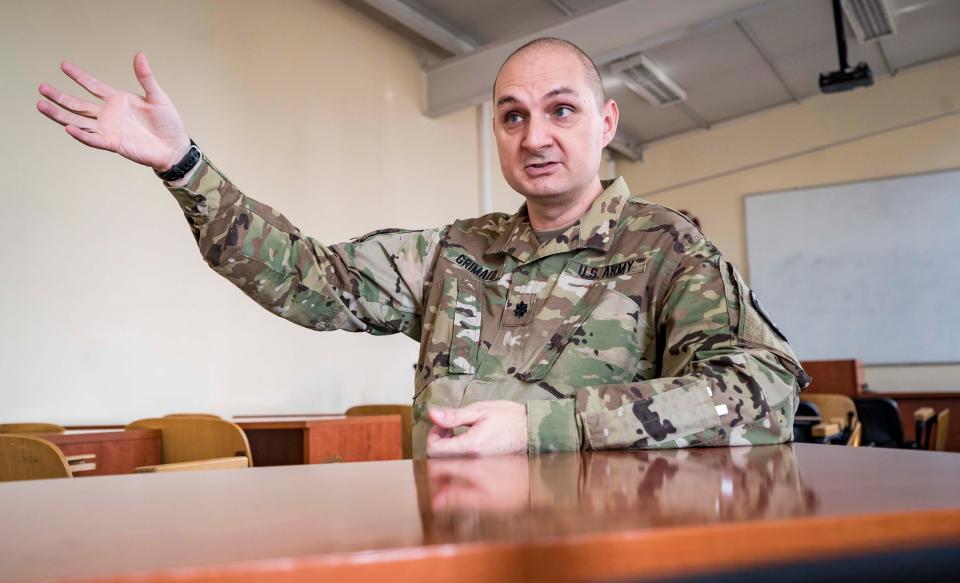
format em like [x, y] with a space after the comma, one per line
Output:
[186, 164]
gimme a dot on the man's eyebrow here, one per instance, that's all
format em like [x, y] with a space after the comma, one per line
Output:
[561, 91]
[550, 94]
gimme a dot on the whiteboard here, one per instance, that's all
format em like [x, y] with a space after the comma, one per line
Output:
[867, 270]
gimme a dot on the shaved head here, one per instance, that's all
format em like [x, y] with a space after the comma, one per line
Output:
[548, 43]
[551, 121]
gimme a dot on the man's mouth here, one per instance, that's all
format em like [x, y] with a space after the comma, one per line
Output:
[540, 168]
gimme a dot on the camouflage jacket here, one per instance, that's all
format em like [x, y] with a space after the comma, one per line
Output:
[627, 330]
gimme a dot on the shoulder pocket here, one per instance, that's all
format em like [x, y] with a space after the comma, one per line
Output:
[456, 330]
[751, 324]
[465, 340]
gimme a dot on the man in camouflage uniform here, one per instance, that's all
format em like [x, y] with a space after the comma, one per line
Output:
[590, 319]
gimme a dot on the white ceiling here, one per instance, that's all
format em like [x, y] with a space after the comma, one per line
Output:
[754, 56]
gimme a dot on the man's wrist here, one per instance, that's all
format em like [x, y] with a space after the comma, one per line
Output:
[180, 168]
[175, 156]
[186, 177]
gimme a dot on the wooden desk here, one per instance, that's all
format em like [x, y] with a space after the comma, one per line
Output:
[841, 377]
[560, 517]
[285, 440]
[910, 402]
[118, 451]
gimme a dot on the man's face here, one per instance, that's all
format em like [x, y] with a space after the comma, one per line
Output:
[550, 129]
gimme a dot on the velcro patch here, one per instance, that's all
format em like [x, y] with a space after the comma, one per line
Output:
[766, 317]
[597, 272]
[475, 268]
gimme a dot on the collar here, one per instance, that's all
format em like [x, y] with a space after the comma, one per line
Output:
[594, 230]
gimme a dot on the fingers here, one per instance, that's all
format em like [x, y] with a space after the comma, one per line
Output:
[88, 138]
[141, 67]
[65, 117]
[463, 444]
[87, 81]
[450, 418]
[438, 433]
[69, 102]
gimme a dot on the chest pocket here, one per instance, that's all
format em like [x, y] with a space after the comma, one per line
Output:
[543, 360]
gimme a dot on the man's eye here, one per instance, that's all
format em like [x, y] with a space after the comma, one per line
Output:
[512, 118]
[563, 111]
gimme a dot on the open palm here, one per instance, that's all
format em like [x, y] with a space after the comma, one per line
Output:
[147, 130]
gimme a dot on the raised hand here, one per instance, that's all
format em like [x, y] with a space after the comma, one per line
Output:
[147, 130]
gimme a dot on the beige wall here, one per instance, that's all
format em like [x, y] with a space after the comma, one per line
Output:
[902, 125]
[107, 311]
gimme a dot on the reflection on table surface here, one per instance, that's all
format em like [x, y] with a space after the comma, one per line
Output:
[520, 496]
[115, 524]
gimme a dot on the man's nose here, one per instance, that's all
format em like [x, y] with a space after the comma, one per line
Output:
[538, 135]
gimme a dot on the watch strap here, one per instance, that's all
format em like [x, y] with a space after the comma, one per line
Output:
[186, 164]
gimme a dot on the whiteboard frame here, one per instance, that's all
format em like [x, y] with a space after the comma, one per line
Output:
[746, 235]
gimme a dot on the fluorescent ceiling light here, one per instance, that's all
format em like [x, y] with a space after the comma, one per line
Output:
[648, 81]
[870, 19]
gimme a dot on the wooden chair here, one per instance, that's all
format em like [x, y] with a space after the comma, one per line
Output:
[200, 415]
[924, 419]
[880, 417]
[30, 458]
[931, 428]
[406, 421]
[28, 428]
[194, 439]
[77, 463]
[841, 411]
[855, 435]
[943, 428]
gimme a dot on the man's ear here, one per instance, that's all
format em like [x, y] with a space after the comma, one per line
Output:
[611, 117]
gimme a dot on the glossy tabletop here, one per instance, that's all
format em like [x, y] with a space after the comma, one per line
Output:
[559, 517]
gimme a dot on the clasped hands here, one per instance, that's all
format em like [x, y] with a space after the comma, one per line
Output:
[493, 428]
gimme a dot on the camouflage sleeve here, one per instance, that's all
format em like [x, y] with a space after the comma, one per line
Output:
[372, 284]
[727, 375]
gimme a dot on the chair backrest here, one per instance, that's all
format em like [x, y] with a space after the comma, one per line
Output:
[925, 418]
[406, 421]
[943, 428]
[200, 415]
[880, 417]
[188, 439]
[834, 406]
[28, 428]
[30, 458]
[807, 409]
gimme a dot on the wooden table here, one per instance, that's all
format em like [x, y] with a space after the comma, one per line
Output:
[281, 441]
[117, 451]
[560, 517]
